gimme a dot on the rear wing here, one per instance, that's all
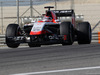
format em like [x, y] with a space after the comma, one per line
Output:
[63, 13]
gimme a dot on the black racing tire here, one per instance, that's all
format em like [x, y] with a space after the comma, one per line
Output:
[66, 28]
[12, 31]
[84, 33]
[34, 45]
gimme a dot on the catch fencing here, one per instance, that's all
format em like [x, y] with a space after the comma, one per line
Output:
[32, 8]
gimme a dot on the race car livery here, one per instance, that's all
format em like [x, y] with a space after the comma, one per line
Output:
[50, 30]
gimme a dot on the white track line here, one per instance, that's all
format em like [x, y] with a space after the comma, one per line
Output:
[56, 71]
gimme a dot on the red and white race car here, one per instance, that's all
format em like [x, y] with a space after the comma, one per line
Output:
[50, 30]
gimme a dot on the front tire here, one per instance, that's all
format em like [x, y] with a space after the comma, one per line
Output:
[12, 31]
[66, 28]
[84, 33]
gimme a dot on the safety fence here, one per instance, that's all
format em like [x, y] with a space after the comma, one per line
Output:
[95, 37]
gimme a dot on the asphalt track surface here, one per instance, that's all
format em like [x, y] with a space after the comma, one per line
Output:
[51, 60]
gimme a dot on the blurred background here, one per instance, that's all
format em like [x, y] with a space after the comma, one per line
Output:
[11, 9]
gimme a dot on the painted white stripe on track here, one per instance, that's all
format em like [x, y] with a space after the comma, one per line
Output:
[56, 71]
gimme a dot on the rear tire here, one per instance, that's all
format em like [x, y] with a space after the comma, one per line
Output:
[66, 28]
[12, 31]
[84, 33]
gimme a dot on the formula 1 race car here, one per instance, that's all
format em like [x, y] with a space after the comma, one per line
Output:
[50, 30]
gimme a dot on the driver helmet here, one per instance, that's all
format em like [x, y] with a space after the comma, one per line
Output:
[47, 19]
